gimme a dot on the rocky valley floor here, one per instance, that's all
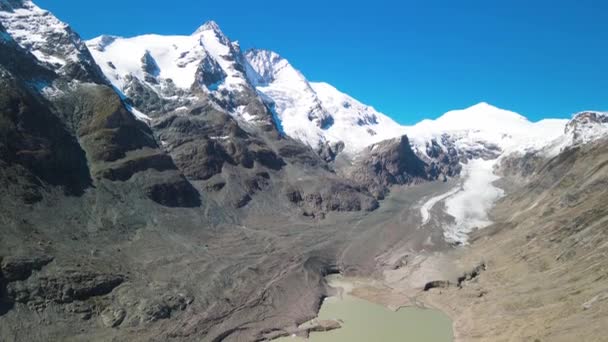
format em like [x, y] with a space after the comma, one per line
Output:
[170, 279]
[537, 274]
[177, 188]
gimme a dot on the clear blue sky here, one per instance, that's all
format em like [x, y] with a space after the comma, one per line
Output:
[409, 59]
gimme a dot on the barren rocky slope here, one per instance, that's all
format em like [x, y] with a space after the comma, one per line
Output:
[537, 274]
[161, 200]
[188, 224]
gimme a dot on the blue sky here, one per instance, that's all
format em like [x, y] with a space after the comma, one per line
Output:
[409, 59]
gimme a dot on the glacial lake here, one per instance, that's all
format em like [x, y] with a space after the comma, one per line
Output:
[364, 321]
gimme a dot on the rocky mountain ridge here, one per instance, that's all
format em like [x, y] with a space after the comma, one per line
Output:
[316, 114]
[162, 193]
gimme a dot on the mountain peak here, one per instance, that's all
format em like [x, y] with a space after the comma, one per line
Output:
[487, 111]
[587, 126]
[588, 118]
[482, 105]
[485, 116]
[269, 57]
[265, 65]
[210, 25]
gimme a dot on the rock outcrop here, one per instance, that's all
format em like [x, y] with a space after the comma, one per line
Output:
[587, 126]
[73, 135]
[388, 163]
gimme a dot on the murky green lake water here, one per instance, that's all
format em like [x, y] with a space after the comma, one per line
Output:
[364, 321]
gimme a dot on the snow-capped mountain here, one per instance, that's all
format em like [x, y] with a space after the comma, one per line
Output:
[157, 59]
[174, 69]
[316, 113]
[164, 74]
[216, 198]
[585, 127]
[161, 74]
[289, 94]
[484, 126]
[52, 41]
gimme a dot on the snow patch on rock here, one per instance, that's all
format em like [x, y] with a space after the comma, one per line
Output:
[585, 127]
[316, 113]
[177, 57]
[482, 124]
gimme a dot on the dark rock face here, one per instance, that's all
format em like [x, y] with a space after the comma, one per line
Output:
[248, 100]
[63, 288]
[135, 162]
[117, 145]
[173, 190]
[328, 152]
[487, 152]
[336, 196]
[23, 282]
[14, 268]
[149, 65]
[321, 118]
[443, 162]
[367, 119]
[202, 144]
[388, 163]
[154, 101]
[20, 61]
[201, 160]
[209, 73]
[299, 154]
[436, 284]
[474, 273]
[344, 197]
[32, 137]
[45, 158]
[393, 162]
[107, 130]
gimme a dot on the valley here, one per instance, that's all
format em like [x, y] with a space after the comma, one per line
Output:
[177, 188]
